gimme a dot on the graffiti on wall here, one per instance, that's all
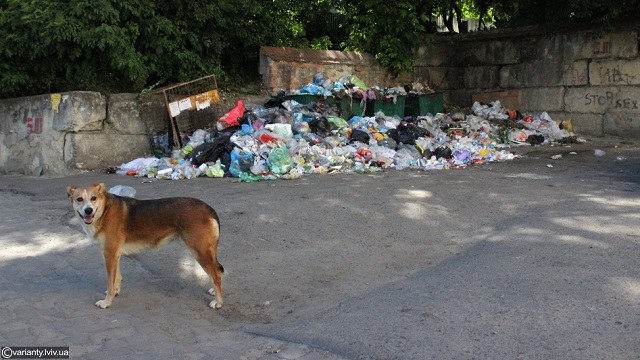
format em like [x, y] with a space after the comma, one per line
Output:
[601, 47]
[33, 125]
[615, 76]
[577, 75]
[611, 100]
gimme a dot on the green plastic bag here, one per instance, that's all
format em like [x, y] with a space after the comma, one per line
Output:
[358, 83]
[337, 121]
[215, 171]
[279, 161]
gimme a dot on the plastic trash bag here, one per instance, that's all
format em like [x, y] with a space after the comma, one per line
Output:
[241, 162]
[281, 131]
[215, 171]
[122, 190]
[259, 166]
[231, 118]
[357, 82]
[279, 161]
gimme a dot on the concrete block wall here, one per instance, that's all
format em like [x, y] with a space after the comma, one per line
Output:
[590, 77]
[56, 134]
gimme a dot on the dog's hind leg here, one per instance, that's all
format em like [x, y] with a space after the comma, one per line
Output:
[216, 277]
[207, 259]
[203, 243]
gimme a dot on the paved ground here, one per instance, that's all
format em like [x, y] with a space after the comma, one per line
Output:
[509, 260]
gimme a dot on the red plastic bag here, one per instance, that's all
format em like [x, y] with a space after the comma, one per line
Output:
[266, 138]
[231, 118]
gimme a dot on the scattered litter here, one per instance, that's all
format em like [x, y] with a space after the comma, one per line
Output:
[621, 158]
[573, 153]
[122, 190]
[599, 153]
[556, 157]
[286, 139]
[549, 165]
[529, 176]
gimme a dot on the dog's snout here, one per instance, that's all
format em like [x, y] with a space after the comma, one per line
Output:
[88, 210]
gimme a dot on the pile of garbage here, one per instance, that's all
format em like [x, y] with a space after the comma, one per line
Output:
[354, 87]
[283, 139]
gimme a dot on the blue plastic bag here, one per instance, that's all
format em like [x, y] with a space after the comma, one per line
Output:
[241, 162]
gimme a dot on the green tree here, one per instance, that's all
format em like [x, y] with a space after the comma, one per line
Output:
[389, 30]
[127, 45]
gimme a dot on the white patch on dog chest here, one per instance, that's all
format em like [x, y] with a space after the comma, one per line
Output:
[134, 247]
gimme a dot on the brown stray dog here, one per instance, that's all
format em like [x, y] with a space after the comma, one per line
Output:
[123, 226]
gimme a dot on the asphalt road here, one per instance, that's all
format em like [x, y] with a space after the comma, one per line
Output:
[500, 261]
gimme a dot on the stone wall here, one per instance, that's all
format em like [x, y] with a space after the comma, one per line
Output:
[590, 77]
[60, 133]
[285, 69]
[57, 134]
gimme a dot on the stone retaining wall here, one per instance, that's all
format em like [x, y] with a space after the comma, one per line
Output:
[58, 133]
[590, 77]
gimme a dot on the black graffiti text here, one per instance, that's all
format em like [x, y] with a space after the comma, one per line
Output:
[610, 99]
[615, 76]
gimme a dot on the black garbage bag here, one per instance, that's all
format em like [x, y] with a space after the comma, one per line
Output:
[225, 158]
[359, 135]
[388, 142]
[443, 152]
[418, 131]
[213, 150]
[275, 101]
[321, 126]
[407, 133]
[402, 135]
[535, 139]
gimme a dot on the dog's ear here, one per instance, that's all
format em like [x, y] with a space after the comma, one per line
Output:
[102, 188]
[70, 190]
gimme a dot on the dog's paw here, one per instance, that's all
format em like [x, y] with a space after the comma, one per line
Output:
[215, 305]
[212, 292]
[103, 304]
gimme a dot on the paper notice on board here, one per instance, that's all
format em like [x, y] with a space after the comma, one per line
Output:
[205, 99]
[174, 109]
[203, 104]
[185, 104]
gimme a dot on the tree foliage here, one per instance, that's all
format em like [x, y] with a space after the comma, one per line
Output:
[386, 29]
[129, 45]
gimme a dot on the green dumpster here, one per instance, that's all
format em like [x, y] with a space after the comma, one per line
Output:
[351, 106]
[423, 104]
[390, 107]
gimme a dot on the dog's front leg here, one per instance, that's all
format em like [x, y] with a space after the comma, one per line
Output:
[112, 263]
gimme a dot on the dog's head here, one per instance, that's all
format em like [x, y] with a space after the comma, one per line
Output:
[88, 201]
